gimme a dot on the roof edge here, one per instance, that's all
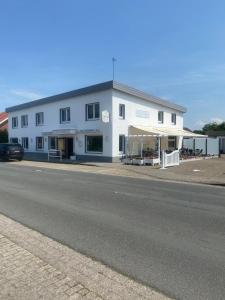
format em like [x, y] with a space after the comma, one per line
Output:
[74, 93]
[97, 88]
[135, 92]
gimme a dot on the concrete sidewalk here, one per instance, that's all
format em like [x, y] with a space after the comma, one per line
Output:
[207, 171]
[33, 266]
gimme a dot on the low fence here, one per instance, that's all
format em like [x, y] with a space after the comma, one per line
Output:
[170, 159]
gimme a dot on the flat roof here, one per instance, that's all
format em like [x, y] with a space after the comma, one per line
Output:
[97, 88]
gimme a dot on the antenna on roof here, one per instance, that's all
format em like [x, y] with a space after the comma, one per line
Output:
[113, 62]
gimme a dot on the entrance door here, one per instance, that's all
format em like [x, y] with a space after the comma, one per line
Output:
[68, 147]
[61, 146]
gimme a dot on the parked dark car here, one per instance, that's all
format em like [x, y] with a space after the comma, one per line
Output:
[11, 151]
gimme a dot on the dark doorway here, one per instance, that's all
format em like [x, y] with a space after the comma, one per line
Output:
[68, 147]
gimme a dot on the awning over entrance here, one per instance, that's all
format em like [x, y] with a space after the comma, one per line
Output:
[69, 132]
[162, 131]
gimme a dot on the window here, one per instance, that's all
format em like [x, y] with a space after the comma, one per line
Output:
[94, 143]
[93, 111]
[14, 122]
[173, 119]
[122, 143]
[24, 121]
[122, 111]
[39, 143]
[25, 142]
[52, 143]
[160, 116]
[39, 118]
[65, 115]
[172, 142]
[14, 140]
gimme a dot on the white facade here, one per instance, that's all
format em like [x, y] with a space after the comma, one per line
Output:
[138, 111]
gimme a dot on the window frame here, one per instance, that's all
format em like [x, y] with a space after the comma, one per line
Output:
[41, 113]
[66, 110]
[122, 116]
[24, 118]
[50, 138]
[86, 144]
[160, 113]
[26, 144]
[174, 122]
[172, 139]
[122, 143]
[93, 105]
[39, 149]
[17, 122]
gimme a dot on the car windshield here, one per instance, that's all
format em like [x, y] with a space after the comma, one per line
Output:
[14, 147]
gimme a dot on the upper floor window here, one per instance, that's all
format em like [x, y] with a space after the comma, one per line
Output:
[160, 116]
[24, 121]
[14, 122]
[39, 117]
[25, 142]
[39, 143]
[93, 111]
[173, 119]
[65, 115]
[122, 111]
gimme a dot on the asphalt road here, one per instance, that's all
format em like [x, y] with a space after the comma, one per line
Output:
[167, 235]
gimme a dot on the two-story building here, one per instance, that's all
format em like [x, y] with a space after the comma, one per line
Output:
[93, 123]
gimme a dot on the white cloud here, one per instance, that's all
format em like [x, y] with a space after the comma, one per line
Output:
[26, 94]
[216, 120]
[200, 123]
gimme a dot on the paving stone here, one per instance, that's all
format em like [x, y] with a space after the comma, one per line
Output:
[33, 266]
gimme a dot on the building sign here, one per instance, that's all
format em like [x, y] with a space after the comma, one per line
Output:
[105, 116]
[142, 114]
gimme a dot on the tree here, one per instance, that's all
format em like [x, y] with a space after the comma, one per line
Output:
[212, 127]
[4, 136]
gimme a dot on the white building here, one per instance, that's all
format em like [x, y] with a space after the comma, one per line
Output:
[93, 122]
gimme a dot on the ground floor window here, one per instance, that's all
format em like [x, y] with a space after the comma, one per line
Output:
[94, 143]
[52, 143]
[122, 143]
[172, 142]
[25, 142]
[39, 143]
[14, 140]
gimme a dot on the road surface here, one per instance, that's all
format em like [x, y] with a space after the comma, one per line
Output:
[170, 236]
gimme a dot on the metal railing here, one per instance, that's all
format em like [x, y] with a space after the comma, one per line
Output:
[54, 153]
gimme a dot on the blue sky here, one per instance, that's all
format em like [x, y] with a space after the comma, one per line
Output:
[174, 49]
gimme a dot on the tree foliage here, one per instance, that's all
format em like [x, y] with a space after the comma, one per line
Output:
[4, 136]
[211, 127]
[214, 127]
